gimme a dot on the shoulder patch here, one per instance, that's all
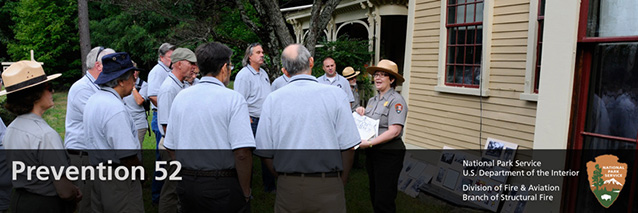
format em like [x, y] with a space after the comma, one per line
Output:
[399, 108]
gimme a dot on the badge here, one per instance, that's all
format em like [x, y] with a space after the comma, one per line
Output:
[398, 107]
[385, 104]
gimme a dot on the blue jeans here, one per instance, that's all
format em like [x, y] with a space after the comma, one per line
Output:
[156, 186]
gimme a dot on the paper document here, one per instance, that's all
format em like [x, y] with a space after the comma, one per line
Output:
[367, 126]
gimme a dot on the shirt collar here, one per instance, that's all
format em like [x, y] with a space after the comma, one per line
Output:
[286, 78]
[301, 77]
[324, 77]
[211, 80]
[252, 70]
[387, 94]
[167, 69]
[32, 116]
[175, 80]
[113, 92]
[91, 79]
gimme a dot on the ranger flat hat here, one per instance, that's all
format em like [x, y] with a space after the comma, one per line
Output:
[387, 66]
[349, 73]
[22, 75]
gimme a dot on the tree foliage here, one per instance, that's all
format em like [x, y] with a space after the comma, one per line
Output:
[49, 28]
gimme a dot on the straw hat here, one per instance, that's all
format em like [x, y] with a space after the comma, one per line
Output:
[349, 73]
[388, 67]
[22, 75]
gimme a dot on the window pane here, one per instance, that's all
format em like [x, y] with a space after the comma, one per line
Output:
[451, 2]
[452, 35]
[469, 54]
[479, 34]
[460, 14]
[451, 15]
[612, 103]
[541, 11]
[470, 13]
[459, 55]
[450, 74]
[471, 35]
[451, 54]
[479, 53]
[459, 75]
[479, 12]
[612, 18]
[461, 35]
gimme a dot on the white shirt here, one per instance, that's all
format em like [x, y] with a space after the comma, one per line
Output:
[212, 117]
[167, 93]
[137, 111]
[156, 78]
[306, 115]
[109, 126]
[254, 86]
[340, 82]
[79, 94]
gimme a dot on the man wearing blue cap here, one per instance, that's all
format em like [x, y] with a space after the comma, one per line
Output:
[108, 126]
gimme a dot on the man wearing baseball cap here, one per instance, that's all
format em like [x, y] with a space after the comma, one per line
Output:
[183, 62]
[111, 136]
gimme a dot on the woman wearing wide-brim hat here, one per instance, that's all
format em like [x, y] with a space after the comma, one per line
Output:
[29, 95]
[384, 153]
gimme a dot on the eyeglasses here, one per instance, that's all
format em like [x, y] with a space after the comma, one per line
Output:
[380, 74]
[98, 53]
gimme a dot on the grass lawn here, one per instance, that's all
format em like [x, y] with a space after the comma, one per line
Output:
[357, 196]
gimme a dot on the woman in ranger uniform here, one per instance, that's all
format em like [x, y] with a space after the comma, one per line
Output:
[385, 152]
[29, 95]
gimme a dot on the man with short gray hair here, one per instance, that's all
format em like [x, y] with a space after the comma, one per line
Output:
[321, 147]
[156, 77]
[74, 140]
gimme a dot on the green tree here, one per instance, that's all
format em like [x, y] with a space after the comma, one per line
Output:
[49, 27]
[597, 177]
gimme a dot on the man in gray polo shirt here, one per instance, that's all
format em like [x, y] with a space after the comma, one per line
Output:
[333, 78]
[280, 82]
[309, 181]
[253, 83]
[74, 140]
[111, 135]
[155, 79]
[183, 63]
[212, 119]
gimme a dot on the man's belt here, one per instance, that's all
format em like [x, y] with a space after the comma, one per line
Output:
[209, 173]
[77, 152]
[316, 174]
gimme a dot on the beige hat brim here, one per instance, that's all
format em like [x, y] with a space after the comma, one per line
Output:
[49, 78]
[356, 73]
[372, 69]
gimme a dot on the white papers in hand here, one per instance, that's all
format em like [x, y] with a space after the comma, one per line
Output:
[367, 126]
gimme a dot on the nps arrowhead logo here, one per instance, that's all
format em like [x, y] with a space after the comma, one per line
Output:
[606, 178]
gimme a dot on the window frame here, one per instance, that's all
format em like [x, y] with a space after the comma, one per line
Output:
[533, 60]
[483, 88]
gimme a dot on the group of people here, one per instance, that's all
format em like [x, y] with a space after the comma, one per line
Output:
[301, 127]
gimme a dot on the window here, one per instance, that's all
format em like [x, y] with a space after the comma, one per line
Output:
[607, 96]
[534, 50]
[464, 43]
[539, 44]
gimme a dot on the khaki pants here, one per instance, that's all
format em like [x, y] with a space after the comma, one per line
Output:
[85, 185]
[310, 194]
[114, 196]
[140, 136]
